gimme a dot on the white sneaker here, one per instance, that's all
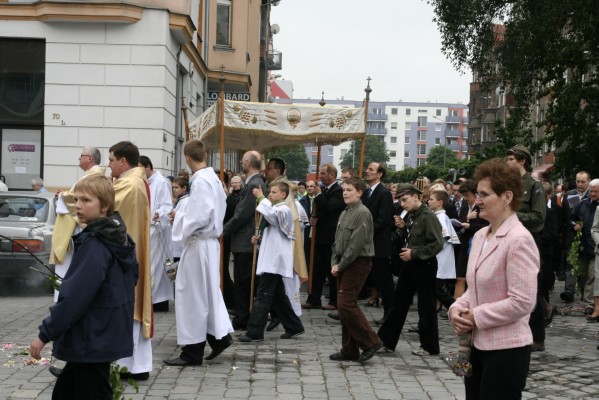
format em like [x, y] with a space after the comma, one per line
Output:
[421, 352]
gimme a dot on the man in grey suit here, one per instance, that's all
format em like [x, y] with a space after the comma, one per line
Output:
[241, 228]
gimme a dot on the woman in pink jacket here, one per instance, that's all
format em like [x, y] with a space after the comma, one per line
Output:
[502, 285]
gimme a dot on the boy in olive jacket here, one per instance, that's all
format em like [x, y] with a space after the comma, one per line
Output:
[351, 262]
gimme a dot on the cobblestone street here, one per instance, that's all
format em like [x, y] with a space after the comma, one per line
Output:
[301, 369]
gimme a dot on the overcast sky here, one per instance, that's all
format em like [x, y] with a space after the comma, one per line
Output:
[334, 45]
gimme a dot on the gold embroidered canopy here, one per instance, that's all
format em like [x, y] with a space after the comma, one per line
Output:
[261, 126]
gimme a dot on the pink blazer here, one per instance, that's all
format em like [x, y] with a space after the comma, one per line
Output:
[502, 286]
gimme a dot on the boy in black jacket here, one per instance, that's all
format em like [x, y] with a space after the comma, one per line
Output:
[91, 324]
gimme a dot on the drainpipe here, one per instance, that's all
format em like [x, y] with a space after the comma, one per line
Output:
[178, 130]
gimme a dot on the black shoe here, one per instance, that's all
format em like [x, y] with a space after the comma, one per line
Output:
[369, 353]
[334, 316]
[219, 347]
[161, 307]
[567, 297]
[339, 356]
[291, 335]
[55, 370]
[589, 310]
[142, 376]
[247, 339]
[274, 322]
[179, 362]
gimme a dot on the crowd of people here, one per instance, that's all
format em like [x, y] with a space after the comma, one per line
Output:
[483, 253]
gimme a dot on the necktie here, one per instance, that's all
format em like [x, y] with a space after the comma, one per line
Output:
[369, 193]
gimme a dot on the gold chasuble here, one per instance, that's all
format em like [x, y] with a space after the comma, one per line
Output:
[299, 258]
[65, 224]
[132, 201]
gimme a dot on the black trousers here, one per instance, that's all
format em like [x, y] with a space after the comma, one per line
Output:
[322, 269]
[445, 289]
[415, 276]
[537, 317]
[83, 381]
[242, 275]
[383, 281]
[271, 293]
[228, 289]
[498, 374]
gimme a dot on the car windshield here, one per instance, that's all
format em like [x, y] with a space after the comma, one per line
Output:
[27, 209]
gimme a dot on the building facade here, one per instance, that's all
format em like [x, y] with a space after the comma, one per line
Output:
[93, 73]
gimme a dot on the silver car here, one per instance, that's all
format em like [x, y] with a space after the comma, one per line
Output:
[26, 220]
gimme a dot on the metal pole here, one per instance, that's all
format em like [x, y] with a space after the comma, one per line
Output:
[363, 149]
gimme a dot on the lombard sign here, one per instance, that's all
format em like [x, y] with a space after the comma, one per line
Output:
[237, 96]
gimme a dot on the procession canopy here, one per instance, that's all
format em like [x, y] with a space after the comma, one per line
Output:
[261, 126]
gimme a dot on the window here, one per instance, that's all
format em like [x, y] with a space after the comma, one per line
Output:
[408, 111]
[421, 136]
[437, 140]
[393, 125]
[407, 141]
[394, 111]
[408, 126]
[223, 23]
[437, 127]
[377, 111]
[454, 113]
[406, 154]
[391, 167]
[393, 154]
[420, 162]
[343, 152]
[330, 152]
[393, 139]
[421, 149]
[421, 121]
[438, 112]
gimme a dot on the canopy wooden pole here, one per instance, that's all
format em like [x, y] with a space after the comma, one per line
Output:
[258, 219]
[313, 227]
[222, 174]
[363, 149]
[184, 109]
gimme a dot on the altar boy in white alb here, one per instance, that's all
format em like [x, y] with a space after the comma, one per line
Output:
[201, 313]
[275, 262]
[161, 204]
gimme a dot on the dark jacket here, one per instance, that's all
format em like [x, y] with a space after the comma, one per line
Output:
[425, 237]
[92, 322]
[380, 205]
[534, 205]
[585, 212]
[329, 206]
[242, 224]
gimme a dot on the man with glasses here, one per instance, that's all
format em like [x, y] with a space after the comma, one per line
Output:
[241, 228]
[532, 215]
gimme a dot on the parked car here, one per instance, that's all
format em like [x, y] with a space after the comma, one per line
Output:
[26, 219]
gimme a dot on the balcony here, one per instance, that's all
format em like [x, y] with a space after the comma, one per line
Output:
[456, 147]
[377, 117]
[465, 120]
[452, 133]
[376, 131]
[274, 60]
[456, 119]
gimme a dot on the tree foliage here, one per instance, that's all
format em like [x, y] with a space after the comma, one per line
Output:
[374, 152]
[440, 156]
[533, 50]
[463, 168]
[295, 159]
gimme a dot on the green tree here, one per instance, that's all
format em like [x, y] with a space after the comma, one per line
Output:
[535, 51]
[295, 159]
[440, 156]
[373, 152]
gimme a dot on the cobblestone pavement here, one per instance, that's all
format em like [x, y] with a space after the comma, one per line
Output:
[300, 368]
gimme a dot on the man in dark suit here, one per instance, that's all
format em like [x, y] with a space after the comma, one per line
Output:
[459, 202]
[328, 206]
[241, 227]
[306, 203]
[379, 201]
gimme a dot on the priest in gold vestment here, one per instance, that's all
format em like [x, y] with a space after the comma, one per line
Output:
[132, 202]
